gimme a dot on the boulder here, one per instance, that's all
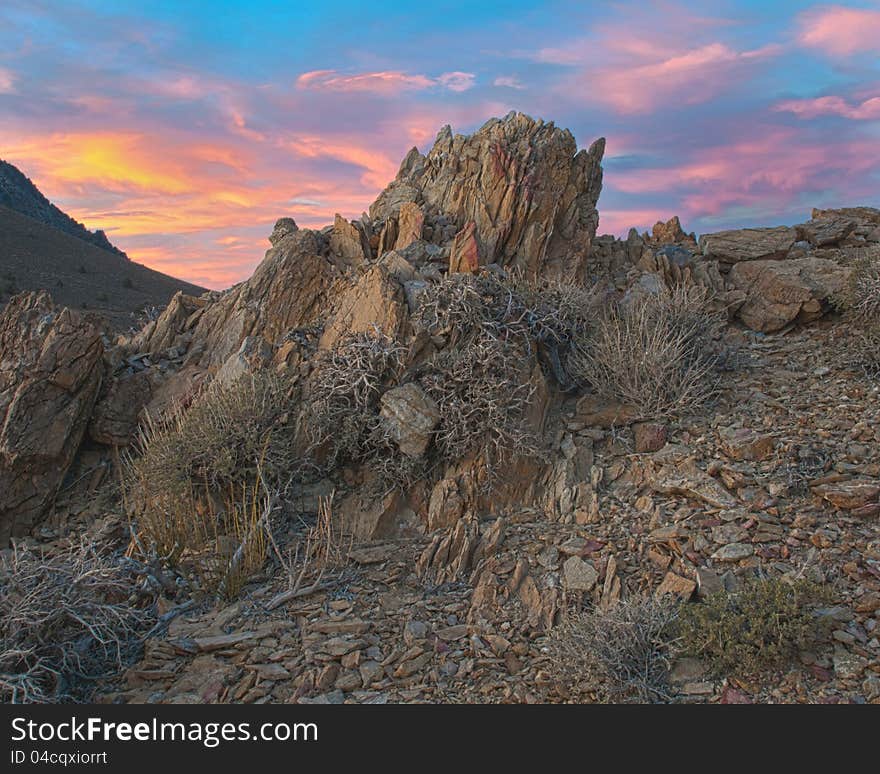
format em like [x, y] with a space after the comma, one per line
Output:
[50, 373]
[748, 244]
[781, 292]
[529, 191]
[410, 417]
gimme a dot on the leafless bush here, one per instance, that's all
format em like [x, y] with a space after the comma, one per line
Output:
[483, 396]
[548, 313]
[346, 384]
[618, 655]
[322, 548]
[656, 353]
[65, 620]
[866, 348]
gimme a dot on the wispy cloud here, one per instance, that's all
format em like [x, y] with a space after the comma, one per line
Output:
[866, 110]
[508, 82]
[7, 81]
[840, 31]
[689, 76]
[388, 83]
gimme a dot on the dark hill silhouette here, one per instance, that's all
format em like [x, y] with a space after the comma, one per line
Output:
[36, 256]
[18, 193]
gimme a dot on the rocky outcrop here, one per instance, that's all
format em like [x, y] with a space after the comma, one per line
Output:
[523, 183]
[50, 373]
[290, 289]
[748, 244]
[780, 292]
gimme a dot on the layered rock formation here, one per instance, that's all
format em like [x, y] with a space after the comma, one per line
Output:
[50, 372]
[529, 193]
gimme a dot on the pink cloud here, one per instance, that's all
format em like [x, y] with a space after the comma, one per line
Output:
[769, 172]
[840, 31]
[389, 82]
[868, 110]
[691, 76]
[7, 81]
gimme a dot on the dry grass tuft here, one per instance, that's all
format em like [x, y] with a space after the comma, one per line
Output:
[656, 353]
[618, 655]
[205, 481]
[65, 620]
[229, 431]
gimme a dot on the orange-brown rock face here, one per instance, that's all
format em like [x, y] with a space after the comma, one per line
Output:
[530, 193]
[50, 372]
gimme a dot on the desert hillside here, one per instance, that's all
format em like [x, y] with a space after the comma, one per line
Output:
[78, 274]
[462, 449]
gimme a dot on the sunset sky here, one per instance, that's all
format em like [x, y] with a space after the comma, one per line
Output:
[185, 129]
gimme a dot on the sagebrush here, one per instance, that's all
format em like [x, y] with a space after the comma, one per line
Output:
[761, 626]
[656, 353]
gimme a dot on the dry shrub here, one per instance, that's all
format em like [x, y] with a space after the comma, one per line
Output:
[227, 433]
[343, 406]
[656, 353]
[205, 475]
[861, 296]
[323, 547]
[621, 654]
[866, 348]
[342, 415]
[549, 313]
[762, 626]
[860, 301]
[65, 620]
[483, 396]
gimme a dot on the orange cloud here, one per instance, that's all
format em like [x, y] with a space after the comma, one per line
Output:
[868, 110]
[840, 31]
[117, 161]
